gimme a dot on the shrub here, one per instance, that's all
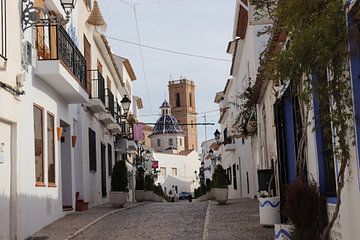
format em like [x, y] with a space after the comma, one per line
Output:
[158, 190]
[306, 209]
[140, 182]
[119, 178]
[149, 183]
[202, 189]
[220, 178]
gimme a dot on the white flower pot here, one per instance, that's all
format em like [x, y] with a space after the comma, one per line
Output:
[212, 193]
[148, 195]
[221, 195]
[118, 199]
[283, 231]
[269, 209]
[139, 195]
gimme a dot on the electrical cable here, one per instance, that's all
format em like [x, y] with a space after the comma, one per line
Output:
[168, 50]
[142, 57]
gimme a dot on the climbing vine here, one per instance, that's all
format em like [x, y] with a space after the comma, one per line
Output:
[314, 61]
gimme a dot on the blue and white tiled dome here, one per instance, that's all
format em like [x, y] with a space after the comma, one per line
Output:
[167, 123]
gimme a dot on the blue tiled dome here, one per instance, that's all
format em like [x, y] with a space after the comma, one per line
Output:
[167, 124]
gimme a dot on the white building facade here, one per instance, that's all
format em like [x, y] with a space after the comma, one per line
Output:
[57, 150]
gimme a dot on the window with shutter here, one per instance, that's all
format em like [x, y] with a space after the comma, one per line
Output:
[92, 150]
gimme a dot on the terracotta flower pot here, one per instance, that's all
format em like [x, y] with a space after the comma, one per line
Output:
[148, 195]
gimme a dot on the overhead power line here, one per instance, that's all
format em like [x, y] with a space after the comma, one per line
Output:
[168, 50]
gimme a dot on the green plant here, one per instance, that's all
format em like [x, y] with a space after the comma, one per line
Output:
[119, 177]
[317, 44]
[208, 185]
[202, 188]
[140, 181]
[220, 177]
[149, 183]
[158, 190]
[306, 209]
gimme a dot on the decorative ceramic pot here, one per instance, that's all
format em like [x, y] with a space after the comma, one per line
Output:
[118, 199]
[139, 195]
[221, 195]
[148, 195]
[283, 231]
[269, 209]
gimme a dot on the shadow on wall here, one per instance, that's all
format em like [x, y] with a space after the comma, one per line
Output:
[34, 213]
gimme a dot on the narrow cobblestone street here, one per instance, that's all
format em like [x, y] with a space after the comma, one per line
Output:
[238, 219]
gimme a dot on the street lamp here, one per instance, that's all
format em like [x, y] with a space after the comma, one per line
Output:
[217, 136]
[32, 15]
[125, 103]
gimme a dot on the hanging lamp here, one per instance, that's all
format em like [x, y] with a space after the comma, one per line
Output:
[96, 19]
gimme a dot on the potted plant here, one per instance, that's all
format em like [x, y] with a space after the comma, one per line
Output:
[269, 206]
[149, 187]
[140, 185]
[221, 183]
[119, 184]
[306, 210]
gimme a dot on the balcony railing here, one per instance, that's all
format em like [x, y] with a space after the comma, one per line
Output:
[118, 112]
[54, 43]
[97, 88]
[110, 103]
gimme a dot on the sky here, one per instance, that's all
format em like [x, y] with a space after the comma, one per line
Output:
[202, 27]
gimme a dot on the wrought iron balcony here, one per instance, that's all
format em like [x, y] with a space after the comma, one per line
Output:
[109, 116]
[97, 91]
[61, 64]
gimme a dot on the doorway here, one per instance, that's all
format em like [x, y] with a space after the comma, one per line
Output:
[7, 208]
[66, 167]
[103, 170]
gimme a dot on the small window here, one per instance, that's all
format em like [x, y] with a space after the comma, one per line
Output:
[110, 161]
[158, 142]
[190, 100]
[171, 142]
[177, 99]
[92, 150]
[174, 171]
[162, 171]
[51, 148]
[181, 142]
[39, 144]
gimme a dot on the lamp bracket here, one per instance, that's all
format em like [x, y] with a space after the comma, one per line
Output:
[32, 16]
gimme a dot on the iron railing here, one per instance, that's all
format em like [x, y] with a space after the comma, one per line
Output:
[3, 46]
[109, 102]
[54, 43]
[97, 87]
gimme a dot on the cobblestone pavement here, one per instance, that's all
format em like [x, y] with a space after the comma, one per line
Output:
[64, 227]
[237, 220]
[167, 221]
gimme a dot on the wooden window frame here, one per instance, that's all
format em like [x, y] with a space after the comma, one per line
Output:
[40, 183]
[52, 184]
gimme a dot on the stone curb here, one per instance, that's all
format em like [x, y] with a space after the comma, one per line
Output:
[75, 234]
[206, 223]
